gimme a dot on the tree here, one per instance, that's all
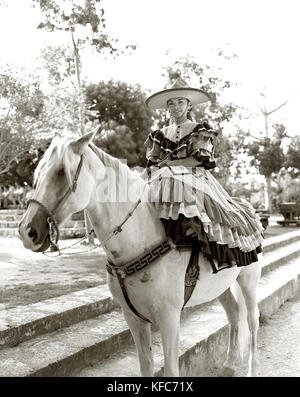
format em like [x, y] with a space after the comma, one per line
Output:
[22, 103]
[293, 157]
[124, 119]
[84, 21]
[62, 108]
[268, 156]
[266, 113]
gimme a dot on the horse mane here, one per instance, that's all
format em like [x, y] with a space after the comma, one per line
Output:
[57, 151]
[110, 161]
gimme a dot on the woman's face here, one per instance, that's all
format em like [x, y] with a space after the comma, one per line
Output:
[178, 107]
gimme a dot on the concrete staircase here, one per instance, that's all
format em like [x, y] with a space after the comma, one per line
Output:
[84, 333]
[9, 220]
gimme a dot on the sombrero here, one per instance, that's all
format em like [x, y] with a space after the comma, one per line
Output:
[179, 89]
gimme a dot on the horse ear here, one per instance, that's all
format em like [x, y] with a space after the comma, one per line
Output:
[81, 143]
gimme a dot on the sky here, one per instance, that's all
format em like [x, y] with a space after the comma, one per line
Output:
[263, 33]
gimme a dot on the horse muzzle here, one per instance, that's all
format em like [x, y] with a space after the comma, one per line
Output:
[34, 232]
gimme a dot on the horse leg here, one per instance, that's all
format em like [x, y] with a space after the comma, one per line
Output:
[248, 280]
[231, 309]
[169, 325]
[141, 333]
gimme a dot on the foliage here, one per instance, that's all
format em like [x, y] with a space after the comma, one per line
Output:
[124, 118]
[62, 113]
[22, 103]
[84, 17]
[287, 187]
[268, 154]
[293, 157]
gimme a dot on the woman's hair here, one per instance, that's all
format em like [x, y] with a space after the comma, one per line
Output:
[190, 114]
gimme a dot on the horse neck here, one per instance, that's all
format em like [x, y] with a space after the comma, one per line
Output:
[141, 231]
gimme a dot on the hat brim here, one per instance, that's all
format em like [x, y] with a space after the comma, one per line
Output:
[194, 95]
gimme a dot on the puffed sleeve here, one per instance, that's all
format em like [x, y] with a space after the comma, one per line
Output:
[152, 144]
[201, 145]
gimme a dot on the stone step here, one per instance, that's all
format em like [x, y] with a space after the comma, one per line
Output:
[65, 233]
[9, 220]
[24, 322]
[16, 215]
[105, 343]
[13, 224]
[12, 212]
[203, 335]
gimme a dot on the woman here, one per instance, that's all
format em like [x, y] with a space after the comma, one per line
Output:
[191, 203]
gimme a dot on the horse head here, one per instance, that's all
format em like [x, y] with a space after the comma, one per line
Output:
[62, 186]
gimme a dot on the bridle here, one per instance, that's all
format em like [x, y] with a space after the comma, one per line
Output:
[51, 219]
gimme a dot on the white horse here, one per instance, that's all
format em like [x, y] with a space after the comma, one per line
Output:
[72, 176]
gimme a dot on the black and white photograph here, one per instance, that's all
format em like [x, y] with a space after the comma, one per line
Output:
[149, 192]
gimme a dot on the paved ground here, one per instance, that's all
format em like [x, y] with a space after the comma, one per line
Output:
[278, 343]
[28, 277]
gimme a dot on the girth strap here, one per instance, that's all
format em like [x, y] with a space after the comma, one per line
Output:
[137, 265]
[123, 288]
[192, 272]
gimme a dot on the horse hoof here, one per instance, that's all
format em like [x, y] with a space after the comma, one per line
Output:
[227, 372]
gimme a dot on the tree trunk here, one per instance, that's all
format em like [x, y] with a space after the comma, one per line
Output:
[80, 93]
[269, 191]
[268, 185]
[88, 226]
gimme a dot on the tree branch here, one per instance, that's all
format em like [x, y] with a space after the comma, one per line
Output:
[278, 107]
[262, 111]
[5, 148]
[249, 110]
[14, 158]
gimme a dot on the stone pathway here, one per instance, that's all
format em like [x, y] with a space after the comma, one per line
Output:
[28, 277]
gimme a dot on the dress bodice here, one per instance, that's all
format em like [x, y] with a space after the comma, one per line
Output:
[184, 140]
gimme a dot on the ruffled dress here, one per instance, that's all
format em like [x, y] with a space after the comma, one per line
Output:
[193, 205]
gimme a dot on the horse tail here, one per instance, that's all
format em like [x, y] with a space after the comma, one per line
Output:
[243, 328]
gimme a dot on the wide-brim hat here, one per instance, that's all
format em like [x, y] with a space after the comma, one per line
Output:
[179, 89]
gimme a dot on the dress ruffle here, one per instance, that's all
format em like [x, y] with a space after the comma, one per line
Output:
[199, 143]
[207, 208]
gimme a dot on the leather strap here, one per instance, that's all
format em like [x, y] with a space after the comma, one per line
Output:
[122, 285]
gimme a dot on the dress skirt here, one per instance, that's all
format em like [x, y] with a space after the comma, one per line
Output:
[192, 203]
